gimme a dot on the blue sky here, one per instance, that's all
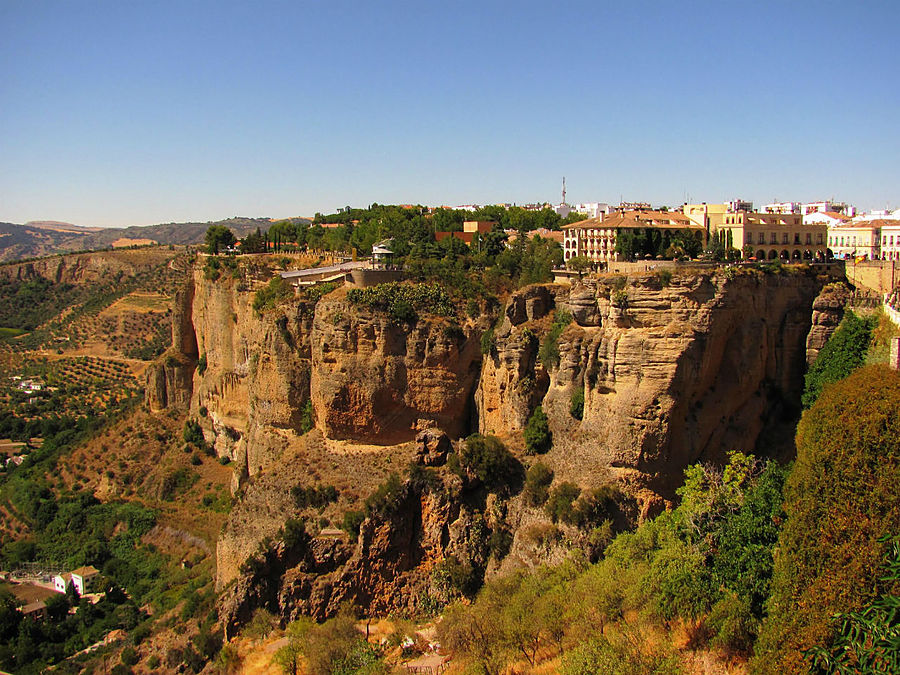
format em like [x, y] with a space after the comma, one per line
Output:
[119, 113]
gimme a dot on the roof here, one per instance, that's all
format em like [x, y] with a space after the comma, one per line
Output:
[34, 607]
[879, 223]
[835, 214]
[462, 236]
[630, 220]
[313, 271]
[65, 576]
[87, 571]
[861, 225]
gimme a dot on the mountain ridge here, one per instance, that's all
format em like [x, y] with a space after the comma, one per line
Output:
[37, 239]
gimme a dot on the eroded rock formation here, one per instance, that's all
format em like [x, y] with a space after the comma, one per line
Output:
[674, 371]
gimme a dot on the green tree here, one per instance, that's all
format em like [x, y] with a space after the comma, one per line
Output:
[538, 438]
[576, 403]
[217, 238]
[841, 501]
[580, 264]
[844, 352]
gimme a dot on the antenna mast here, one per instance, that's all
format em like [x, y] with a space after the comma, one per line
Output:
[564, 190]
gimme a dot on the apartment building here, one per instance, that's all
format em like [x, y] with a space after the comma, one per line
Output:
[850, 239]
[595, 238]
[777, 236]
[890, 239]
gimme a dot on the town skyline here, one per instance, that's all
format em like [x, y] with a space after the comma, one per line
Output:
[118, 114]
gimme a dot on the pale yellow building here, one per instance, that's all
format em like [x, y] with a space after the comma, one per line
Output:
[710, 216]
[595, 238]
[856, 239]
[776, 236]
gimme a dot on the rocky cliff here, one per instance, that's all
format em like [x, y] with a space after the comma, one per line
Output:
[375, 380]
[674, 370]
[88, 267]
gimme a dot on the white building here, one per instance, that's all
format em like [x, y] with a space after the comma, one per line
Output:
[782, 208]
[61, 582]
[85, 578]
[594, 209]
[830, 218]
[890, 239]
[828, 207]
[880, 214]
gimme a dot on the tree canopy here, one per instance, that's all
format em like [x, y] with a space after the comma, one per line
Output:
[217, 238]
[841, 500]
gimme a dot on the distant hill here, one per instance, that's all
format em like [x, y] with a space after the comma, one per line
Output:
[41, 238]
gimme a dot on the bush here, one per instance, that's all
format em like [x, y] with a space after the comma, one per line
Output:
[315, 496]
[595, 507]
[457, 576]
[307, 417]
[201, 364]
[402, 301]
[841, 501]
[486, 459]
[386, 498]
[487, 341]
[549, 350]
[560, 500]
[129, 656]
[538, 438]
[844, 352]
[352, 521]
[268, 297]
[576, 403]
[537, 484]
[193, 433]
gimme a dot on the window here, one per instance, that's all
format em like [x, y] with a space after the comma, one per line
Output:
[784, 237]
[796, 237]
[819, 238]
[762, 237]
[809, 238]
[773, 238]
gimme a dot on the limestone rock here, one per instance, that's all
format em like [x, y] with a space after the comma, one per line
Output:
[432, 447]
[529, 304]
[375, 380]
[828, 310]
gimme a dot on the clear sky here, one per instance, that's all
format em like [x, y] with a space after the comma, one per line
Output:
[122, 112]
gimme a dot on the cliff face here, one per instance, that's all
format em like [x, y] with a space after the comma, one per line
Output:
[673, 372]
[678, 373]
[170, 377]
[88, 267]
[378, 381]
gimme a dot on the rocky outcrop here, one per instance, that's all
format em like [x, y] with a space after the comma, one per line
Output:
[388, 568]
[88, 267]
[673, 373]
[432, 447]
[376, 380]
[679, 373]
[512, 381]
[170, 378]
[828, 310]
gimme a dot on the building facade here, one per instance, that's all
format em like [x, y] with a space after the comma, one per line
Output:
[890, 239]
[855, 240]
[712, 216]
[777, 236]
[828, 206]
[595, 238]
